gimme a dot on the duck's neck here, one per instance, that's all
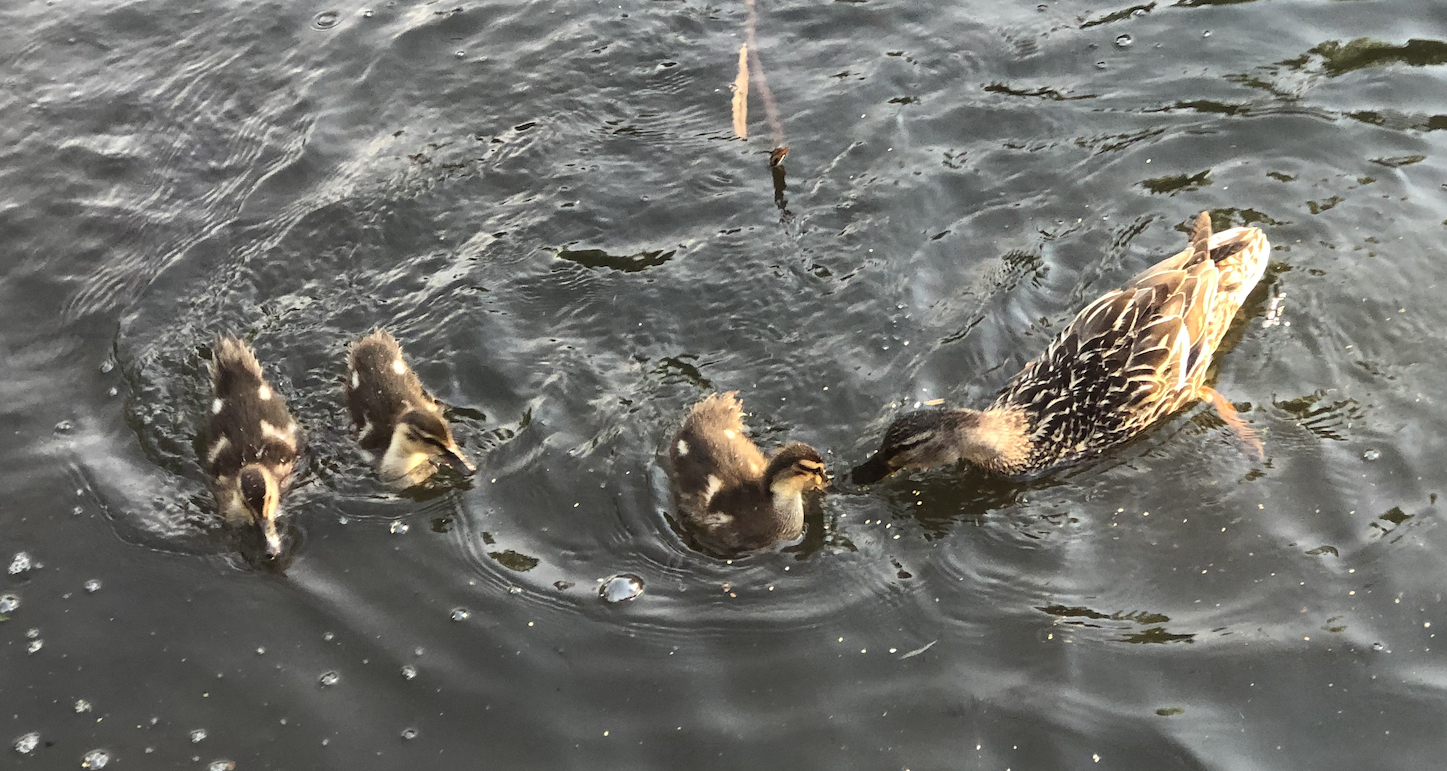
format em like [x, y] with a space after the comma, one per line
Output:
[788, 504]
[996, 440]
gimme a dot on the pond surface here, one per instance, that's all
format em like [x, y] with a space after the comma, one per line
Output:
[547, 204]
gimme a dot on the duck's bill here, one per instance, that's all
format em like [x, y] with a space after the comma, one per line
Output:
[456, 460]
[871, 471]
[273, 540]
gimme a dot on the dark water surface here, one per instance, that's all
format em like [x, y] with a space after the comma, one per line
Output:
[545, 202]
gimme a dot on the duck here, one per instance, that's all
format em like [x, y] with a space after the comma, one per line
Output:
[1130, 358]
[396, 419]
[732, 498]
[252, 443]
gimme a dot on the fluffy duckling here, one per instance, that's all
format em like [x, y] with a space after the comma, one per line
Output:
[395, 416]
[731, 497]
[252, 444]
[1130, 358]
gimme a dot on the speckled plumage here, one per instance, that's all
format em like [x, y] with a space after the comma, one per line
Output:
[382, 393]
[249, 429]
[731, 497]
[1132, 357]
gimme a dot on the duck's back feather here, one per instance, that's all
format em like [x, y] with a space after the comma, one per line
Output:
[249, 421]
[1138, 353]
[380, 387]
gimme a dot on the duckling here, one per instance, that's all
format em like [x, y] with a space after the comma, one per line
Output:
[395, 416]
[730, 495]
[252, 444]
[1132, 357]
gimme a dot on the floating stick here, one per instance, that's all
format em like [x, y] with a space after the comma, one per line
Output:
[741, 94]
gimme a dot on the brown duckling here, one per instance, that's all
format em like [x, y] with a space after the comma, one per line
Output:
[1132, 357]
[395, 416]
[730, 496]
[252, 443]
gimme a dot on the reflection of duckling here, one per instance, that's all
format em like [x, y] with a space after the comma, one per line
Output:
[732, 497]
[1132, 357]
[252, 443]
[396, 416]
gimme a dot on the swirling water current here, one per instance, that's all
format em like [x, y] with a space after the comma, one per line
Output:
[547, 204]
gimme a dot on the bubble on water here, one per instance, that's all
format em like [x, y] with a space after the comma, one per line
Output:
[260, 651]
[35, 646]
[8, 603]
[408, 671]
[198, 735]
[27, 743]
[106, 366]
[93, 585]
[329, 678]
[222, 765]
[620, 588]
[113, 392]
[81, 705]
[1124, 41]
[328, 636]
[95, 759]
[64, 427]
[77, 511]
[398, 528]
[367, 14]
[20, 563]
[32, 633]
[1371, 455]
[409, 734]
[326, 20]
[460, 54]
[1376, 646]
[418, 651]
[460, 614]
[1207, 33]
[514, 590]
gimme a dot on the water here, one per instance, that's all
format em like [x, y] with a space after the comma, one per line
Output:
[563, 232]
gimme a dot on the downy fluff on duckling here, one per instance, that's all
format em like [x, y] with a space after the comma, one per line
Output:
[396, 419]
[252, 443]
[730, 496]
[1133, 356]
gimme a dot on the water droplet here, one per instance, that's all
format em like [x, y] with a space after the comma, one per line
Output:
[329, 678]
[398, 528]
[81, 705]
[27, 743]
[409, 734]
[1207, 33]
[20, 563]
[1100, 65]
[460, 614]
[35, 646]
[64, 427]
[1372, 454]
[222, 765]
[620, 588]
[198, 735]
[408, 672]
[8, 603]
[326, 20]
[93, 585]
[1123, 41]
[95, 759]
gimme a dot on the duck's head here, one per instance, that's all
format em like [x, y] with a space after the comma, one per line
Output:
[939, 437]
[424, 432]
[260, 494]
[795, 469]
